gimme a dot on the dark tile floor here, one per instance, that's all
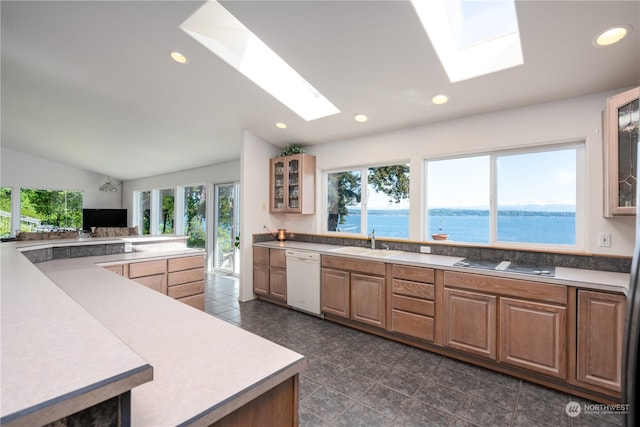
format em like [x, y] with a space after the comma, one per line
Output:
[358, 379]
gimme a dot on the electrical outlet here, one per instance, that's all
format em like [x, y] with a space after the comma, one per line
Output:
[604, 240]
[425, 249]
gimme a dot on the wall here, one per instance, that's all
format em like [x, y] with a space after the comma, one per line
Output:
[20, 170]
[254, 203]
[576, 119]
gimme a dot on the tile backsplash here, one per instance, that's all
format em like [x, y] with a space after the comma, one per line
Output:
[591, 262]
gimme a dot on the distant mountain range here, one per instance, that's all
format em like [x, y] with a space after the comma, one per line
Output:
[511, 210]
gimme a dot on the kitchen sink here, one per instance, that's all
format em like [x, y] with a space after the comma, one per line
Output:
[355, 250]
[382, 253]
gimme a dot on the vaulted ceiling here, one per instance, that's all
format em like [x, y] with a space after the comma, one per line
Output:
[91, 84]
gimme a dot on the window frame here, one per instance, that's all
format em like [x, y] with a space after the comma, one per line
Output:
[580, 214]
[364, 208]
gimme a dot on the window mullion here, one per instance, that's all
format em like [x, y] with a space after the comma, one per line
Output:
[493, 198]
[364, 196]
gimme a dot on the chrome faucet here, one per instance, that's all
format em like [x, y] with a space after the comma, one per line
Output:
[372, 236]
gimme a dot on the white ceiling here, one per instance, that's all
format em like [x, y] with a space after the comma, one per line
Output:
[91, 84]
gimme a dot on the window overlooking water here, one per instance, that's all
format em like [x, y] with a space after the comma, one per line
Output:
[458, 198]
[368, 198]
[519, 196]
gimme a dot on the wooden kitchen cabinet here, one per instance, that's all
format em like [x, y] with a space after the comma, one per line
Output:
[186, 280]
[152, 274]
[278, 283]
[412, 304]
[292, 184]
[534, 336]
[532, 315]
[181, 278]
[470, 322]
[600, 326]
[335, 292]
[261, 280]
[354, 289]
[367, 299]
[270, 274]
[119, 269]
[620, 137]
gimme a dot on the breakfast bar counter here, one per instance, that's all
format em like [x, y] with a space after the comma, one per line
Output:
[85, 325]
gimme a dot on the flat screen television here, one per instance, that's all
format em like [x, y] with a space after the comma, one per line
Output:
[103, 218]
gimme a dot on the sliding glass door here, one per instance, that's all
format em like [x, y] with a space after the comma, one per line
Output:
[227, 227]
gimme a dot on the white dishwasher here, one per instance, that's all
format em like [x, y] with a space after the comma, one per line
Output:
[303, 281]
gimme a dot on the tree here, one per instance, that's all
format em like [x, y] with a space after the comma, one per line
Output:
[168, 203]
[391, 180]
[57, 208]
[5, 207]
[345, 189]
[195, 211]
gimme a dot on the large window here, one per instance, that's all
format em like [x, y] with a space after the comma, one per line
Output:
[5, 211]
[46, 210]
[364, 199]
[144, 212]
[524, 196]
[195, 215]
[167, 211]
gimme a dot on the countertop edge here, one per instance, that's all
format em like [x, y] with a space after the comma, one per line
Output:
[245, 396]
[94, 393]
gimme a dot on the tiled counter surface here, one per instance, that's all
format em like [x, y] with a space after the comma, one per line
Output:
[203, 368]
[587, 279]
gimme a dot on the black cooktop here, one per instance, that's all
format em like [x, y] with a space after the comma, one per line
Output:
[537, 270]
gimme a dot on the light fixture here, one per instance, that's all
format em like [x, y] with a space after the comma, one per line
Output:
[179, 58]
[440, 99]
[281, 125]
[360, 118]
[109, 186]
[611, 35]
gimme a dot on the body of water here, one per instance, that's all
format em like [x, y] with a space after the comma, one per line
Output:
[532, 227]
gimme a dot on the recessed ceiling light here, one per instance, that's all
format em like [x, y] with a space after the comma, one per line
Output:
[611, 35]
[281, 125]
[179, 58]
[360, 118]
[440, 99]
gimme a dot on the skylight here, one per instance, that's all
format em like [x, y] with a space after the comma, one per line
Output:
[220, 32]
[472, 37]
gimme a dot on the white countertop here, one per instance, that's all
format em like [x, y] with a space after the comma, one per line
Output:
[53, 352]
[203, 367]
[84, 241]
[589, 279]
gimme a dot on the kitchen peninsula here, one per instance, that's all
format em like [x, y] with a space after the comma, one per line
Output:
[75, 334]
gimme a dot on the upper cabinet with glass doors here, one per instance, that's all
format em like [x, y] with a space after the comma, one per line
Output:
[292, 184]
[621, 149]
